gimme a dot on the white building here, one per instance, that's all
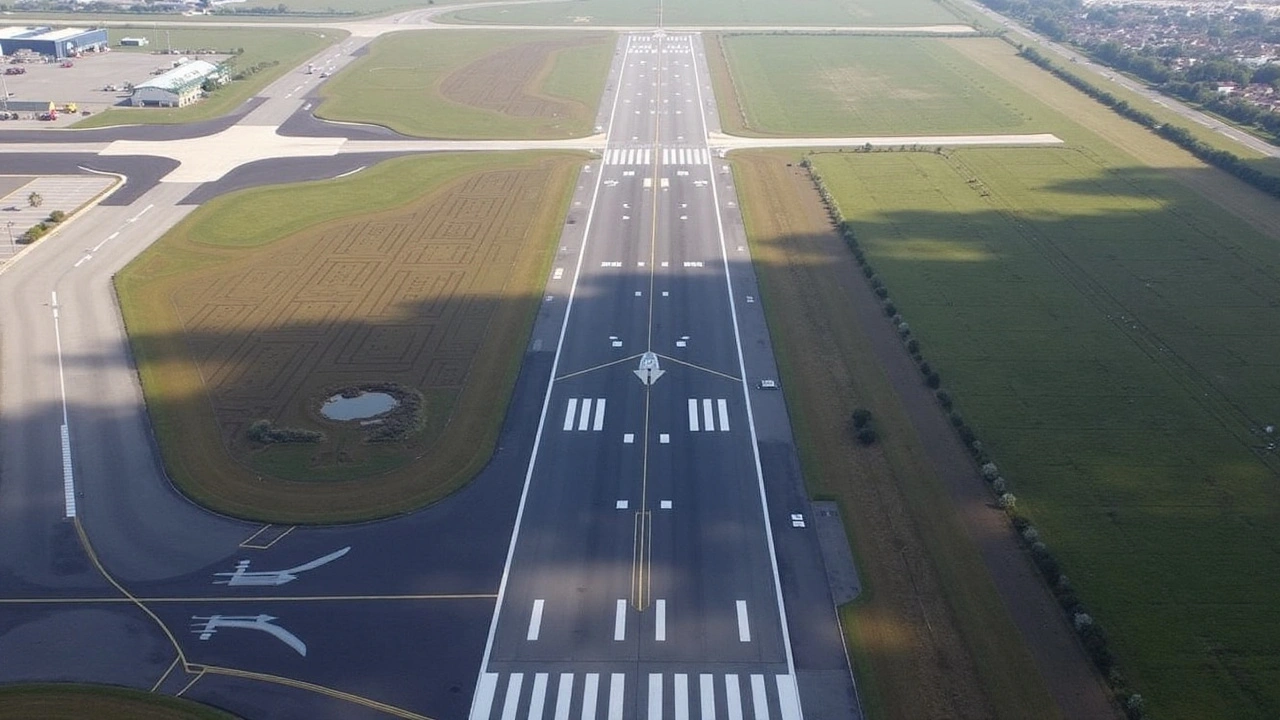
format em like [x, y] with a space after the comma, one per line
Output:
[180, 86]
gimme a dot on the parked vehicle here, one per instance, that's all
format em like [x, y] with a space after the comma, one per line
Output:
[15, 71]
[67, 64]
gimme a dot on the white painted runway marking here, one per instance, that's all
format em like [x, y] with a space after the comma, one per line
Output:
[664, 438]
[621, 505]
[681, 692]
[655, 695]
[693, 415]
[590, 695]
[628, 438]
[744, 625]
[659, 622]
[559, 273]
[539, 696]
[617, 687]
[733, 696]
[535, 621]
[708, 696]
[759, 701]
[570, 413]
[564, 695]
[723, 406]
[598, 423]
[512, 701]
[665, 504]
[484, 696]
[585, 415]
[708, 419]
[620, 621]
[788, 698]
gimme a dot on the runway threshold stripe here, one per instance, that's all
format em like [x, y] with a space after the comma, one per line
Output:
[597, 424]
[759, 700]
[708, 418]
[787, 698]
[617, 690]
[733, 696]
[570, 413]
[512, 701]
[590, 696]
[585, 416]
[620, 621]
[723, 406]
[539, 696]
[693, 415]
[484, 696]
[660, 620]
[535, 621]
[655, 696]
[680, 688]
[707, 692]
[744, 625]
[564, 696]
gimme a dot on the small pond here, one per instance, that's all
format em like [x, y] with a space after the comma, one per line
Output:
[358, 407]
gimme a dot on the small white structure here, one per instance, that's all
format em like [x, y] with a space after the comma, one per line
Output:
[134, 42]
[178, 87]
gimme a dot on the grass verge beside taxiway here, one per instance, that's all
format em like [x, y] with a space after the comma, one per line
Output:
[420, 272]
[50, 701]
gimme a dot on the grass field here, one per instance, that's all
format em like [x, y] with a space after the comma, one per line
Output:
[475, 84]
[721, 12]
[287, 47]
[422, 272]
[75, 702]
[1106, 316]
[930, 637]
[848, 85]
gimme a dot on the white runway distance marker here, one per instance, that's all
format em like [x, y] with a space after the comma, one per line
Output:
[744, 623]
[660, 620]
[535, 621]
[620, 621]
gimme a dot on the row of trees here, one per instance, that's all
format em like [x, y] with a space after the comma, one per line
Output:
[1091, 634]
[1180, 136]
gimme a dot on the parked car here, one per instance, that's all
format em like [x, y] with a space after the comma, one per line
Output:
[15, 71]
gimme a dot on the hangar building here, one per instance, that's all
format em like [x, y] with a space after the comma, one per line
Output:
[177, 87]
[59, 44]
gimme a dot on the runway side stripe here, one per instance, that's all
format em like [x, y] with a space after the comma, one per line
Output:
[512, 700]
[484, 696]
[68, 479]
[571, 413]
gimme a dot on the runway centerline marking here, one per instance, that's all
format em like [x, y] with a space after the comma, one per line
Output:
[535, 620]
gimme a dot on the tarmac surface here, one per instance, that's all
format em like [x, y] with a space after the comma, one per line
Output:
[628, 551]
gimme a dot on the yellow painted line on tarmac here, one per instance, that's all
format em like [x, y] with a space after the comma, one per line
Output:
[188, 685]
[263, 598]
[312, 687]
[160, 682]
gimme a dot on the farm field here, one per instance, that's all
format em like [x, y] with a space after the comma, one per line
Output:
[288, 48]
[1111, 337]
[929, 636]
[351, 7]
[858, 85]
[675, 13]
[497, 84]
[421, 275]
[69, 702]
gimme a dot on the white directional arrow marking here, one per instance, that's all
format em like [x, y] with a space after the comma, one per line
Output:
[242, 576]
[649, 371]
[206, 626]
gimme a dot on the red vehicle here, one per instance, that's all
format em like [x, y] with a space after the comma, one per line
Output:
[67, 63]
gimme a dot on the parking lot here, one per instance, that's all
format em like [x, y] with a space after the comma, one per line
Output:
[83, 83]
[57, 192]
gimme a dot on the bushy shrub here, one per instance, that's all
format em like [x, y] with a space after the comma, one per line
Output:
[933, 380]
[57, 216]
[262, 431]
[990, 471]
[867, 435]
[861, 417]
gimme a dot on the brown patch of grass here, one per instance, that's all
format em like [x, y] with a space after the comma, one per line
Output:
[437, 295]
[508, 81]
[76, 702]
[931, 636]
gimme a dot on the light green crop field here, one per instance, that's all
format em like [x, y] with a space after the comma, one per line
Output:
[356, 7]
[498, 84]
[288, 48]
[720, 12]
[1112, 337]
[846, 85]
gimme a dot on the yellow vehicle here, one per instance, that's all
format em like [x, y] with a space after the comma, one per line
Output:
[69, 107]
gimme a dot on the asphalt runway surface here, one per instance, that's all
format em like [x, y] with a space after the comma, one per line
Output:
[654, 537]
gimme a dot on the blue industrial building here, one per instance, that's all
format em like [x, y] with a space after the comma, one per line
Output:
[58, 44]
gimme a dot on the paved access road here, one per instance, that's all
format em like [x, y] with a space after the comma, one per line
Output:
[644, 577]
